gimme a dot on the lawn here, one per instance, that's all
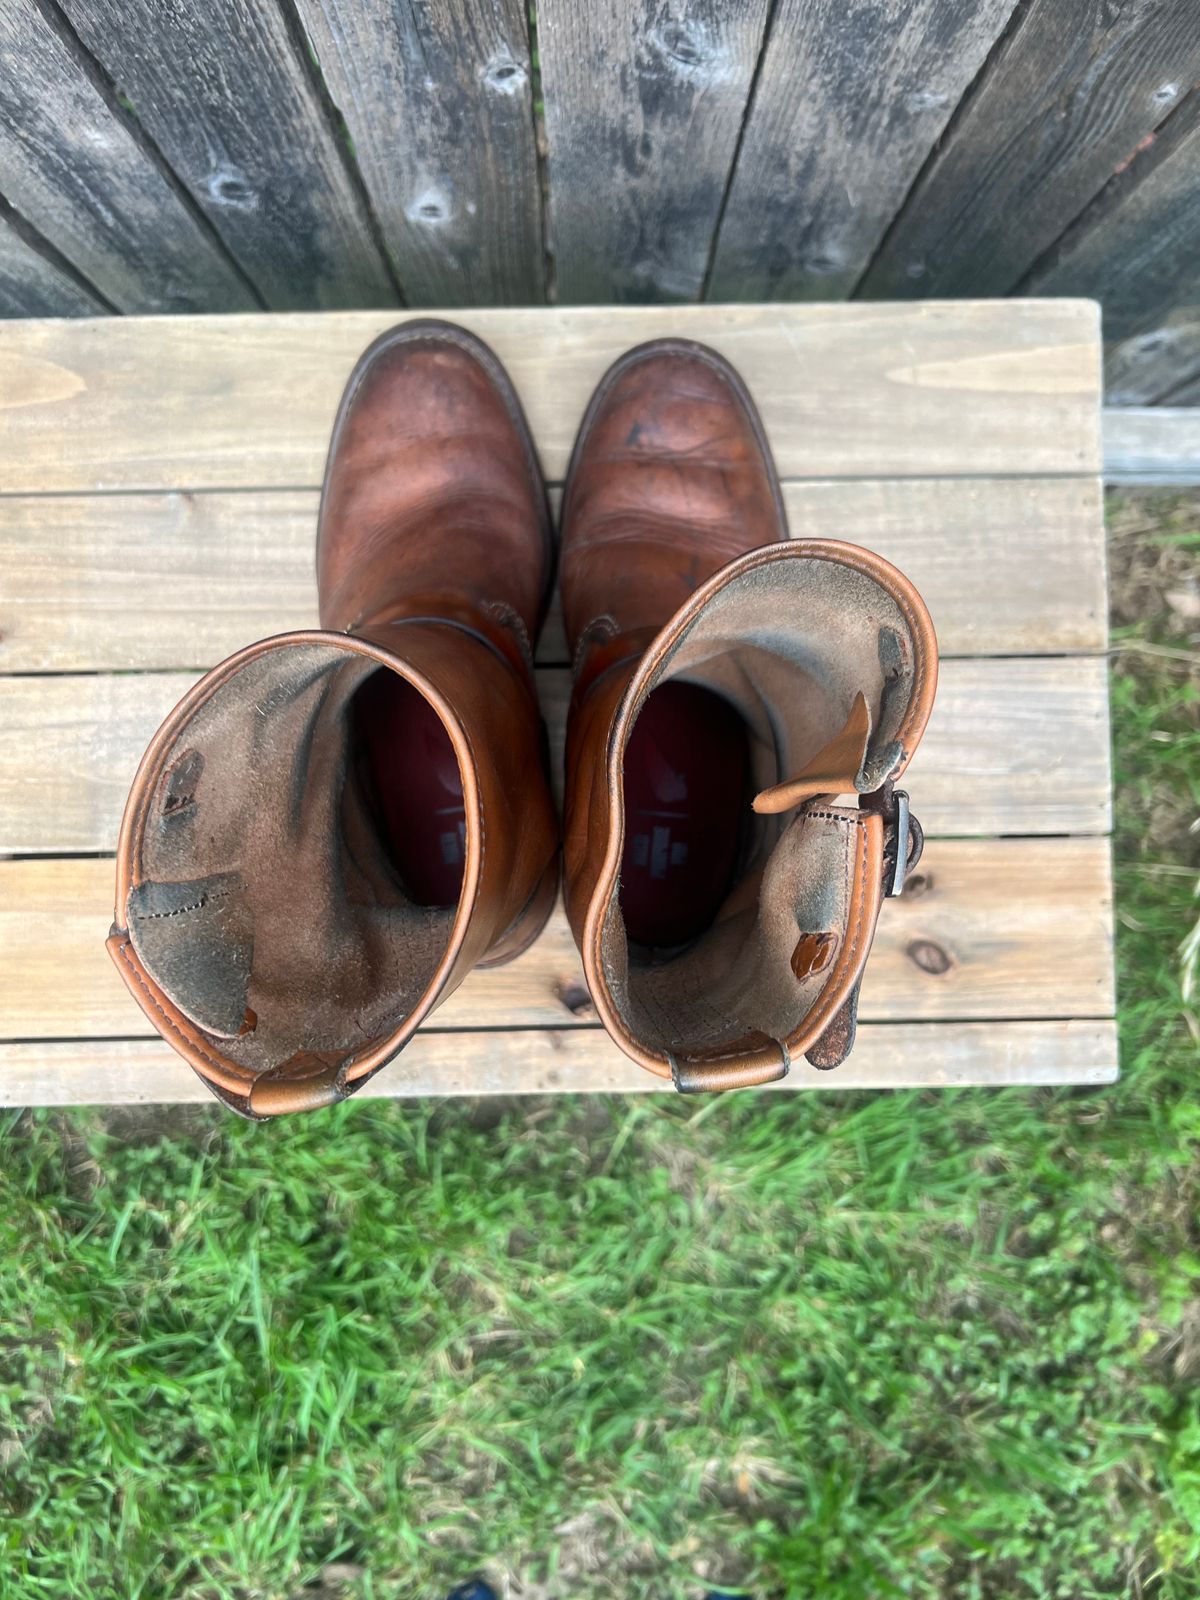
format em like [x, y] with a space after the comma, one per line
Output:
[847, 1346]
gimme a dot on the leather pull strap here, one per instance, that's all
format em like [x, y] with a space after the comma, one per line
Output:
[836, 1043]
[834, 769]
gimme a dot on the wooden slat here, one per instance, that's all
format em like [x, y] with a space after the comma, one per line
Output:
[1138, 249]
[964, 389]
[1015, 746]
[643, 106]
[220, 86]
[130, 1072]
[1154, 445]
[1160, 365]
[843, 116]
[32, 285]
[1069, 95]
[438, 101]
[74, 168]
[229, 568]
[1017, 928]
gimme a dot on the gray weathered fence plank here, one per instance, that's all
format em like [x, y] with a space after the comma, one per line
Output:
[72, 166]
[1139, 250]
[221, 88]
[644, 103]
[31, 285]
[848, 105]
[1069, 95]
[437, 97]
[1159, 366]
[1152, 445]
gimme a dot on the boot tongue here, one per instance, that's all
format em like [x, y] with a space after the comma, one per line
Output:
[835, 769]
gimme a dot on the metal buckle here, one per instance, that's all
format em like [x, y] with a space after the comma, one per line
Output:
[892, 806]
[900, 870]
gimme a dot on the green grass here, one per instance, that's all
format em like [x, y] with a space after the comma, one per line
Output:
[847, 1346]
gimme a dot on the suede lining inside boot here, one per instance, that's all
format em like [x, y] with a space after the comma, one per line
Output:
[268, 906]
[819, 661]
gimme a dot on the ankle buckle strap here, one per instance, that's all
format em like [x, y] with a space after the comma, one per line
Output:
[904, 838]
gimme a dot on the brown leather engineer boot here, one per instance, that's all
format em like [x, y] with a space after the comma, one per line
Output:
[729, 686]
[332, 828]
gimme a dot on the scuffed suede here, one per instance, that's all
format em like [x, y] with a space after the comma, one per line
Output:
[267, 905]
[789, 644]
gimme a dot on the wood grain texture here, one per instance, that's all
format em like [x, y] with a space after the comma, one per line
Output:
[73, 166]
[1152, 445]
[32, 285]
[644, 103]
[222, 90]
[1160, 366]
[1014, 746]
[1068, 96]
[230, 568]
[437, 99]
[1139, 247]
[849, 102]
[886, 1055]
[995, 929]
[956, 389]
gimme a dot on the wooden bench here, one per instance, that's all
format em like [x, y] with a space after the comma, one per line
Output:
[158, 494]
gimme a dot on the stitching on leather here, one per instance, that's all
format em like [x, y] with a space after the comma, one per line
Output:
[204, 900]
[830, 996]
[173, 1027]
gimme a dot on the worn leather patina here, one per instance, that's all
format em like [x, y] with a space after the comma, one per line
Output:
[676, 567]
[260, 921]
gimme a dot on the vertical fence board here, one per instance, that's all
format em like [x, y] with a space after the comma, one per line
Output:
[644, 104]
[1160, 365]
[437, 96]
[1069, 96]
[31, 285]
[220, 88]
[1138, 250]
[73, 168]
[849, 103]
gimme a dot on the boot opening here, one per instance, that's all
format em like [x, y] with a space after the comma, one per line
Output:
[299, 862]
[798, 666]
[686, 792]
[409, 767]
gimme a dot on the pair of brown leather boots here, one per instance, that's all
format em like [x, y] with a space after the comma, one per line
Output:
[333, 827]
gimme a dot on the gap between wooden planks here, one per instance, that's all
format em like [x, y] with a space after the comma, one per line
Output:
[1013, 747]
[897, 1055]
[992, 928]
[949, 388]
[225, 569]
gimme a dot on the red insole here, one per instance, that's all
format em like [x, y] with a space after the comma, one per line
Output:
[417, 786]
[687, 768]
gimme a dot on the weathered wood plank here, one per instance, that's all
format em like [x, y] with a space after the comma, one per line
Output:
[73, 165]
[1155, 445]
[1159, 366]
[958, 389]
[229, 568]
[999, 928]
[643, 108]
[221, 88]
[1070, 93]
[895, 1055]
[1188, 393]
[33, 285]
[437, 98]
[847, 106]
[1015, 746]
[1138, 249]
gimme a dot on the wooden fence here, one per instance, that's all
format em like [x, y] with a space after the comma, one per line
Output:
[204, 155]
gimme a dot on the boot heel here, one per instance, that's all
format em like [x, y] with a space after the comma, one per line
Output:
[530, 923]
